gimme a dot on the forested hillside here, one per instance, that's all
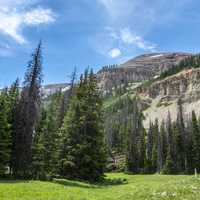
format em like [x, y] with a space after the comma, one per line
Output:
[62, 138]
[81, 133]
[165, 144]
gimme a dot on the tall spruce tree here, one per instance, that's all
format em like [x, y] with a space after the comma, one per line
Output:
[5, 137]
[27, 116]
[13, 100]
[163, 142]
[169, 167]
[175, 153]
[38, 149]
[83, 153]
[66, 98]
[50, 136]
[160, 153]
[180, 137]
[155, 146]
[195, 142]
[133, 155]
[149, 149]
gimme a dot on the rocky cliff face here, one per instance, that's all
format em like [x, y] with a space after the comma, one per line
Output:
[158, 97]
[161, 97]
[141, 68]
[51, 89]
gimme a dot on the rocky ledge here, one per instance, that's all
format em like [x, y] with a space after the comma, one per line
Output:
[141, 68]
[163, 95]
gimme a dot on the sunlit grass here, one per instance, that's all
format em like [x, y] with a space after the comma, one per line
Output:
[134, 187]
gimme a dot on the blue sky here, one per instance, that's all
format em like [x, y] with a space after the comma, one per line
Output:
[92, 33]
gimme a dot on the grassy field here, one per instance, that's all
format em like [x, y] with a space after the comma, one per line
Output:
[138, 187]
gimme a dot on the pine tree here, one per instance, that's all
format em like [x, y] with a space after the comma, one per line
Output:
[66, 98]
[160, 153]
[149, 149]
[27, 115]
[155, 146]
[38, 149]
[188, 147]
[169, 167]
[135, 155]
[196, 143]
[169, 164]
[13, 100]
[5, 139]
[180, 137]
[175, 149]
[83, 153]
[52, 136]
[163, 142]
[46, 145]
[142, 150]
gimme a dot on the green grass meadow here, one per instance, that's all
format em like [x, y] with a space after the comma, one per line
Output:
[137, 187]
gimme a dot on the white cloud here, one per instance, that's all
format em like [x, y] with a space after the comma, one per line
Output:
[128, 23]
[39, 16]
[114, 53]
[125, 39]
[130, 38]
[10, 25]
[15, 15]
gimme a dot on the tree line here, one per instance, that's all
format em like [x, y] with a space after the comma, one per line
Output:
[71, 136]
[61, 138]
[174, 147]
[192, 61]
[170, 147]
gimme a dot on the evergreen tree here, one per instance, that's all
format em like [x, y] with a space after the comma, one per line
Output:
[142, 149]
[5, 139]
[175, 149]
[66, 98]
[196, 143]
[149, 149]
[27, 116]
[83, 153]
[134, 155]
[160, 153]
[38, 149]
[169, 164]
[163, 142]
[188, 147]
[46, 145]
[180, 137]
[52, 136]
[13, 100]
[155, 146]
[169, 167]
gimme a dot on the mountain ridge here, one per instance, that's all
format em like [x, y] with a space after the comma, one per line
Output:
[138, 69]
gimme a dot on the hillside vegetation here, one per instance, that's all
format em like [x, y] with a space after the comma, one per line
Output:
[191, 62]
[78, 135]
[138, 187]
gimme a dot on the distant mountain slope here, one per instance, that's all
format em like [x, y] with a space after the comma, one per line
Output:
[53, 88]
[162, 96]
[138, 69]
[158, 95]
[157, 62]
